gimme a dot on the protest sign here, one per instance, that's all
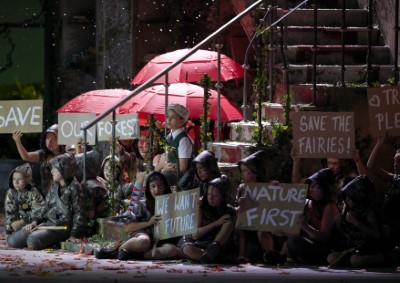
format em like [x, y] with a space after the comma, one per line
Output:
[127, 127]
[384, 111]
[271, 207]
[23, 115]
[323, 134]
[69, 127]
[179, 213]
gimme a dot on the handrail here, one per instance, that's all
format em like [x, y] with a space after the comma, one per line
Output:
[167, 69]
[161, 73]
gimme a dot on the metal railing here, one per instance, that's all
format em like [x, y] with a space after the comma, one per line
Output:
[155, 77]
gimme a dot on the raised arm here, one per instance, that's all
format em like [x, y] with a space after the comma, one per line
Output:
[25, 155]
[372, 161]
[362, 170]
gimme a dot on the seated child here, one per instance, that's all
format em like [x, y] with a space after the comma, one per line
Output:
[141, 227]
[358, 226]
[213, 241]
[23, 205]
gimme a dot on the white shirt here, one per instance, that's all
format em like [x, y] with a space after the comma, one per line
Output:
[185, 147]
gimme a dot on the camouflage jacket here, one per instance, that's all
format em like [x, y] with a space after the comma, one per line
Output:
[27, 205]
[65, 206]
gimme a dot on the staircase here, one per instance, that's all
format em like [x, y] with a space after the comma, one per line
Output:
[298, 51]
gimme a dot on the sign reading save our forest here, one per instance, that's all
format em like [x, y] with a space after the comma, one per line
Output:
[384, 110]
[323, 134]
[22, 115]
[179, 213]
[70, 124]
[271, 207]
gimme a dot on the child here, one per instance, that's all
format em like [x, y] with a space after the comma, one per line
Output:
[181, 144]
[390, 212]
[213, 240]
[359, 227]
[64, 218]
[49, 148]
[141, 227]
[317, 232]
[23, 205]
[204, 168]
[253, 170]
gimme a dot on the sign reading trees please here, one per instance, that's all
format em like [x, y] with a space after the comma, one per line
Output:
[271, 207]
[323, 134]
[179, 213]
[384, 110]
[22, 115]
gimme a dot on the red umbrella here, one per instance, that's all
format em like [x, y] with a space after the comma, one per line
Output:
[191, 69]
[152, 101]
[95, 101]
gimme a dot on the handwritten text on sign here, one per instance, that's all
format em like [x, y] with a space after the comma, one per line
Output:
[270, 207]
[323, 134]
[70, 124]
[22, 115]
[384, 110]
[179, 213]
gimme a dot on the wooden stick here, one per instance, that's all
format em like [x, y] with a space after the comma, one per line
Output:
[341, 256]
[49, 228]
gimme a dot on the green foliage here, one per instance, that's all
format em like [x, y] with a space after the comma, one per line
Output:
[21, 91]
[206, 83]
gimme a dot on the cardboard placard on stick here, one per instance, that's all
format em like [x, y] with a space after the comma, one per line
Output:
[384, 111]
[22, 115]
[323, 134]
[271, 207]
[179, 213]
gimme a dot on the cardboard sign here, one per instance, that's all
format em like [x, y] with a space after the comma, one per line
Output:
[179, 213]
[384, 111]
[23, 115]
[69, 127]
[127, 127]
[270, 207]
[323, 134]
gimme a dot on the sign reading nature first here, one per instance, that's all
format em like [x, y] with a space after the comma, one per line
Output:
[271, 207]
[22, 115]
[384, 110]
[323, 134]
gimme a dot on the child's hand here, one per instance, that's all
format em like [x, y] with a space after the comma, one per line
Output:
[17, 135]
[18, 224]
[223, 219]
[140, 176]
[73, 240]
[154, 219]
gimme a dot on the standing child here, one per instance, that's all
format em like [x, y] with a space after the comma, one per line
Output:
[23, 205]
[213, 240]
[181, 146]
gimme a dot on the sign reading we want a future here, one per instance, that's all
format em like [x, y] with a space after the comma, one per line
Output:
[271, 207]
[384, 111]
[22, 115]
[323, 134]
[179, 213]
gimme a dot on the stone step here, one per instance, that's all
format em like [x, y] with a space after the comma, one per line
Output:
[304, 35]
[331, 54]
[325, 17]
[331, 74]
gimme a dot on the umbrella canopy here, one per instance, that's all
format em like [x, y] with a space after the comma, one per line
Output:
[95, 101]
[191, 69]
[152, 101]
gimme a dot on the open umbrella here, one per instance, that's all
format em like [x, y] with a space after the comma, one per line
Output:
[152, 101]
[95, 101]
[191, 69]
